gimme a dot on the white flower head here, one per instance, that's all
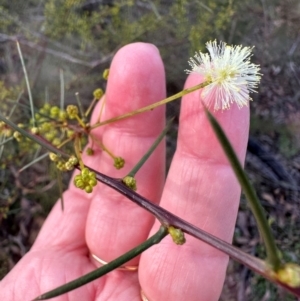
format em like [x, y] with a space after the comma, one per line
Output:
[230, 73]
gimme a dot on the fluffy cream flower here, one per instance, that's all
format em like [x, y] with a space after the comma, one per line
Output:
[230, 73]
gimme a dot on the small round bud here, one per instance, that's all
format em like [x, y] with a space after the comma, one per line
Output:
[17, 136]
[77, 177]
[289, 274]
[56, 141]
[70, 133]
[85, 171]
[88, 189]
[61, 166]
[54, 112]
[79, 184]
[73, 160]
[92, 174]
[177, 235]
[50, 136]
[130, 182]
[119, 162]
[98, 93]
[105, 74]
[62, 115]
[89, 151]
[92, 182]
[69, 166]
[53, 157]
[46, 107]
[35, 130]
[72, 111]
[45, 127]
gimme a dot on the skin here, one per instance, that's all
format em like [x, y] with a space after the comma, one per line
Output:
[200, 188]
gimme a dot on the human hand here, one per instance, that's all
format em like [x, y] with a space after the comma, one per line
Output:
[200, 188]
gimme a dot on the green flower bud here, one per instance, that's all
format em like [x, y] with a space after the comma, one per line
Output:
[54, 112]
[61, 166]
[50, 136]
[56, 141]
[130, 182]
[34, 130]
[69, 166]
[119, 162]
[89, 151]
[79, 184]
[46, 107]
[72, 111]
[73, 160]
[92, 174]
[88, 189]
[105, 74]
[85, 171]
[17, 136]
[177, 235]
[45, 127]
[62, 115]
[53, 157]
[289, 274]
[70, 133]
[98, 93]
[92, 182]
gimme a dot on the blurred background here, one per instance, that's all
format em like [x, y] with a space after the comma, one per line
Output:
[77, 39]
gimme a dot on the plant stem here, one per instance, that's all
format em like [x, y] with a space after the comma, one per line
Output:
[152, 106]
[155, 239]
[27, 83]
[256, 208]
[38, 139]
[62, 89]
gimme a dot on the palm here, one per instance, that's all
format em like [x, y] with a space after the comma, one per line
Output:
[200, 187]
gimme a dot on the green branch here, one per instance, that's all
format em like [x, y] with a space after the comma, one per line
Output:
[257, 209]
[155, 239]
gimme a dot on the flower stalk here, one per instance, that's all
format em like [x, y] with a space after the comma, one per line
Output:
[152, 106]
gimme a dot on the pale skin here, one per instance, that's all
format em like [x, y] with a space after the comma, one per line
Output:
[200, 188]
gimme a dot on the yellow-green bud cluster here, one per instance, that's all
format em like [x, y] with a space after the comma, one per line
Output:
[70, 164]
[53, 112]
[56, 113]
[86, 180]
[47, 127]
[63, 165]
[72, 111]
[98, 93]
[119, 162]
